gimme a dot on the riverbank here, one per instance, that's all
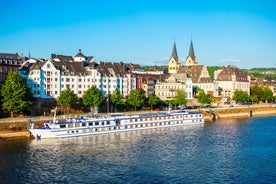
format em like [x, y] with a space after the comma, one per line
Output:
[219, 113]
[239, 112]
[8, 134]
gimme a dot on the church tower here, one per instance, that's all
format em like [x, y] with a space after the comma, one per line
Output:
[191, 58]
[174, 62]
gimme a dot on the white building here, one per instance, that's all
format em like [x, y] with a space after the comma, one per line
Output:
[48, 78]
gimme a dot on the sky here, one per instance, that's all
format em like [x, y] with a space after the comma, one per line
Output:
[223, 32]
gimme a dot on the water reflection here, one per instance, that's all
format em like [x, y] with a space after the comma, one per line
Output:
[221, 152]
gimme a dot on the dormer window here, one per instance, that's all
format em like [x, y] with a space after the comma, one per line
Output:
[48, 65]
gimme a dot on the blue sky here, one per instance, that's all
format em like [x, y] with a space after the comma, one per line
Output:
[236, 32]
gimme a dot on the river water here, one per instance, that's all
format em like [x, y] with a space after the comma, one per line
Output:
[228, 151]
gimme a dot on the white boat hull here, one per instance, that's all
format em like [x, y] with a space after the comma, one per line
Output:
[126, 124]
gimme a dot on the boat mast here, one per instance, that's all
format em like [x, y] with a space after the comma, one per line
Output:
[54, 120]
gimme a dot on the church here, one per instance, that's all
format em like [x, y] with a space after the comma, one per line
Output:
[198, 73]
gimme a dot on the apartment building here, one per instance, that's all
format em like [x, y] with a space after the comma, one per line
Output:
[230, 79]
[9, 62]
[48, 78]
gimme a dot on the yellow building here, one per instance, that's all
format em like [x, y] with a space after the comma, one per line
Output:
[174, 62]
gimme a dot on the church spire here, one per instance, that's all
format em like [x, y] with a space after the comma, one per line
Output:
[191, 51]
[191, 58]
[174, 62]
[174, 52]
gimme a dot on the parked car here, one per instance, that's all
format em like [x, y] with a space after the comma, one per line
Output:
[31, 117]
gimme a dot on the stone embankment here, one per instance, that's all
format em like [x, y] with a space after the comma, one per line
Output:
[19, 127]
[239, 112]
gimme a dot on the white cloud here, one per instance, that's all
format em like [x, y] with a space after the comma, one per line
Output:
[151, 62]
[229, 60]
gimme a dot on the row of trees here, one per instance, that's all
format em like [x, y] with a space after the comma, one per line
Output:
[94, 98]
[258, 93]
[16, 97]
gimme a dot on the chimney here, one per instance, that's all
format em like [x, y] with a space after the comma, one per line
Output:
[53, 56]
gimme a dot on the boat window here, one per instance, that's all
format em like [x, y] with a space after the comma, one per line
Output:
[77, 131]
[83, 124]
[62, 126]
[96, 123]
[108, 122]
[90, 123]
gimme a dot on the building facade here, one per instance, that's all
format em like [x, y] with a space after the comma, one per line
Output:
[166, 89]
[9, 62]
[48, 79]
[230, 79]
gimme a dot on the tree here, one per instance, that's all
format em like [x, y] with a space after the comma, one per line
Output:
[180, 98]
[67, 98]
[203, 98]
[16, 96]
[263, 93]
[212, 69]
[258, 92]
[240, 95]
[116, 99]
[153, 100]
[267, 93]
[93, 97]
[254, 98]
[136, 98]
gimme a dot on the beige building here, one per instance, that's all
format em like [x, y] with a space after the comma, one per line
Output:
[230, 79]
[166, 89]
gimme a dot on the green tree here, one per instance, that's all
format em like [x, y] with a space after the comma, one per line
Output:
[93, 97]
[136, 98]
[267, 93]
[254, 99]
[67, 98]
[16, 96]
[116, 99]
[240, 95]
[203, 98]
[180, 98]
[258, 92]
[153, 100]
[212, 69]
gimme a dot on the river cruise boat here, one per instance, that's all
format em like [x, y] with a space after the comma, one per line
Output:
[74, 127]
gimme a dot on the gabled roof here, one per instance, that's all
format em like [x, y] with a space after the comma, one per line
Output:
[79, 54]
[64, 58]
[10, 56]
[205, 80]
[75, 67]
[193, 72]
[180, 76]
[227, 73]
[32, 64]
[113, 69]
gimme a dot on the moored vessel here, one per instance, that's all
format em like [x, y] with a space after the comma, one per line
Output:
[83, 126]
